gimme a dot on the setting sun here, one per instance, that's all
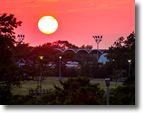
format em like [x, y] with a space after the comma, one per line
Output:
[48, 24]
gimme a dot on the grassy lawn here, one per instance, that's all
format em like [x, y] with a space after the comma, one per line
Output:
[103, 85]
[48, 84]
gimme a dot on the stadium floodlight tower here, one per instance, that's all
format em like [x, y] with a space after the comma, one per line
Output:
[20, 37]
[97, 39]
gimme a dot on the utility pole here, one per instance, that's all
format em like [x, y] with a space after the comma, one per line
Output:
[60, 76]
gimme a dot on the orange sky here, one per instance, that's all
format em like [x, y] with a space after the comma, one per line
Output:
[78, 20]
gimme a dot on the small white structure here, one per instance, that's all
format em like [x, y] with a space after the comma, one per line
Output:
[103, 59]
[70, 64]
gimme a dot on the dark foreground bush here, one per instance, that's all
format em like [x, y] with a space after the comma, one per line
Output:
[77, 91]
[123, 95]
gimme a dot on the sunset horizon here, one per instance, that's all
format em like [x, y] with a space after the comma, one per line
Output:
[69, 52]
[79, 20]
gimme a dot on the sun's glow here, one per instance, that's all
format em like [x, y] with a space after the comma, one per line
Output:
[48, 24]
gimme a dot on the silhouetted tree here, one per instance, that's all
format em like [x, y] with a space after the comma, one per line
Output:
[9, 72]
[7, 44]
[122, 50]
[88, 47]
[63, 45]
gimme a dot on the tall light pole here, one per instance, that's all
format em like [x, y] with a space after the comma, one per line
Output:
[60, 76]
[113, 60]
[107, 81]
[97, 39]
[130, 62]
[41, 58]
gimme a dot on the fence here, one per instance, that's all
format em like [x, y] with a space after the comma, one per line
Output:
[36, 92]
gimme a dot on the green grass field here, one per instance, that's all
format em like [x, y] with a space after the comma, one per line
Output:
[48, 84]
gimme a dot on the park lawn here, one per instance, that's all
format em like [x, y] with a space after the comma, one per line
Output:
[102, 84]
[49, 84]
